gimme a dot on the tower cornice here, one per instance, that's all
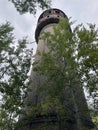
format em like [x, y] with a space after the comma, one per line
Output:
[47, 17]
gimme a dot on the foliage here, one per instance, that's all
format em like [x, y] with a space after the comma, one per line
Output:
[14, 66]
[95, 120]
[30, 6]
[94, 115]
[71, 59]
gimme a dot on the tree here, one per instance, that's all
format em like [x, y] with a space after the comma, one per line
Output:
[72, 59]
[30, 6]
[14, 66]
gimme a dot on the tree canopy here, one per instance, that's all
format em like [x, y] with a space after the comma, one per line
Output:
[15, 60]
[30, 6]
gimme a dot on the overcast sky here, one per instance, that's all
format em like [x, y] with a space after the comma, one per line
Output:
[84, 11]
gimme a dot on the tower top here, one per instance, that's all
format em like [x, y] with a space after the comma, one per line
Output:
[47, 17]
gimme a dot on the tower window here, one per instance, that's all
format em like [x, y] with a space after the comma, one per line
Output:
[56, 11]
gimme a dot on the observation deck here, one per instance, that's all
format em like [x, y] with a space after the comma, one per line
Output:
[48, 17]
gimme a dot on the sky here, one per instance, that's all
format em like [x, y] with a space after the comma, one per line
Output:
[83, 11]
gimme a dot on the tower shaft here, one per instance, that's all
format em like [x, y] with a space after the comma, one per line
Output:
[76, 113]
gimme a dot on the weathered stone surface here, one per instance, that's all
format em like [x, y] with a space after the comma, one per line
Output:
[76, 115]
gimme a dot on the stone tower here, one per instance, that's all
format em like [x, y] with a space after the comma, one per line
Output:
[77, 111]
